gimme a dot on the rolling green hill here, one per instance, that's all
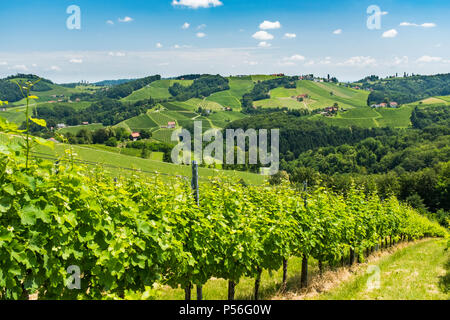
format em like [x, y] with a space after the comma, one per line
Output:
[156, 90]
[107, 159]
[321, 95]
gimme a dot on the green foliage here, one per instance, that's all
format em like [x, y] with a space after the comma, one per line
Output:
[125, 89]
[130, 234]
[408, 89]
[202, 87]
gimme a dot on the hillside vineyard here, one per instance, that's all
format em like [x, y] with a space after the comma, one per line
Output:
[125, 235]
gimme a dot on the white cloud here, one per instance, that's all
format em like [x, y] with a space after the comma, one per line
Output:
[162, 64]
[201, 35]
[390, 34]
[126, 19]
[264, 44]
[428, 25]
[423, 25]
[76, 61]
[55, 68]
[359, 61]
[195, 4]
[185, 26]
[292, 60]
[110, 22]
[263, 36]
[251, 63]
[3, 63]
[286, 63]
[401, 60]
[338, 31]
[290, 36]
[383, 13]
[428, 59]
[34, 65]
[116, 54]
[20, 67]
[268, 25]
[159, 45]
[295, 57]
[201, 27]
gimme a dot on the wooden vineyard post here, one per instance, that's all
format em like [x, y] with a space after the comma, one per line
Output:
[304, 278]
[194, 184]
[257, 284]
[187, 292]
[285, 269]
[304, 275]
[231, 290]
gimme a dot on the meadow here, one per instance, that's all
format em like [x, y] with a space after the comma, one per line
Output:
[156, 90]
[123, 165]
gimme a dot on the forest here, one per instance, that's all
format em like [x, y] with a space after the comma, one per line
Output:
[201, 88]
[407, 89]
[109, 112]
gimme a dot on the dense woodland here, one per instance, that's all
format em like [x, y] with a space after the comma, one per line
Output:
[10, 91]
[201, 88]
[407, 89]
[109, 112]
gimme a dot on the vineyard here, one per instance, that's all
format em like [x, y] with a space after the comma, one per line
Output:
[126, 235]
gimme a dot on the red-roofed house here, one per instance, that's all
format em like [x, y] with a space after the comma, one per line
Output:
[135, 136]
[393, 104]
[171, 125]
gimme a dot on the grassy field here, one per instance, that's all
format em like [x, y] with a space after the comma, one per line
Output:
[436, 100]
[221, 119]
[156, 90]
[163, 135]
[45, 96]
[74, 130]
[216, 289]
[156, 156]
[398, 118]
[232, 98]
[160, 118]
[107, 158]
[263, 77]
[412, 273]
[15, 116]
[367, 117]
[142, 121]
[321, 95]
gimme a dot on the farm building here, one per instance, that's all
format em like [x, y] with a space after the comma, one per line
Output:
[135, 136]
[301, 97]
[171, 125]
[60, 125]
[384, 105]
[393, 104]
[331, 109]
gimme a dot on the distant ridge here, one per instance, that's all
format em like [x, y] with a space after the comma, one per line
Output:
[112, 82]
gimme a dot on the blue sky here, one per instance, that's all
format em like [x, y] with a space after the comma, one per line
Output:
[127, 39]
